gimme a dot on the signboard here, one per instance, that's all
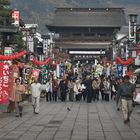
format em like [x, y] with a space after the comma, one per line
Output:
[132, 30]
[35, 73]
[7, 51]
[99, 69]
[16, 16]
[45, 46]
[138, 36]
[120, 70]
[62, 70]
[30, 43]
[4, 82]
[1, 78]
[45, 73]
[137, 60]
[26, 75]
[58, 70]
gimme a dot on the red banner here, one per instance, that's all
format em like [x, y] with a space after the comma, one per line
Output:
[4, 82]
[127, 62]
[1, 77]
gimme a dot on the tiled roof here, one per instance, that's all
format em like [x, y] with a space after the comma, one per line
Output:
[89, 17]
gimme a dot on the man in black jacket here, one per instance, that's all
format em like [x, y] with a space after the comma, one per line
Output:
[88, 90]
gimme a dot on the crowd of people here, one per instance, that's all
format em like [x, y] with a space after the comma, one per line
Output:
[78, 87]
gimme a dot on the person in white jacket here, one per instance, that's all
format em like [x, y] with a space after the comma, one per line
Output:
[36, 89]
[77, 90]
[49, 90]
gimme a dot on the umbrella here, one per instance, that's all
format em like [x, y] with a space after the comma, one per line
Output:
[137, 71]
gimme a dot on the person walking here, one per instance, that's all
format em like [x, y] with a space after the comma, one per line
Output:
[36, 91]
[77, 90]
[127, 93]
[54, 89]
[63, 90]
[49, 90]
[118, 100]
[83, 90]
[96, 87]
[107, 88]
[70, 88]
[89, 90]
[19, 89]
[114, 86]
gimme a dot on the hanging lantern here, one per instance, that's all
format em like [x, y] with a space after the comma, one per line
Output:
[12, 57]
[41, 63]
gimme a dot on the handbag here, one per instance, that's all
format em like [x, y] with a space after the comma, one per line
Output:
[78, 89]
[137, 100]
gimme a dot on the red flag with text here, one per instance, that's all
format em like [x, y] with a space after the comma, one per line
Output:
[4, 82]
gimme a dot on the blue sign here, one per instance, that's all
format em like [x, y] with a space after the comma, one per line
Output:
[62, 70]
[120, 70]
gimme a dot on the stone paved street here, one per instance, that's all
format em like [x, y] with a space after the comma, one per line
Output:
[93, 121]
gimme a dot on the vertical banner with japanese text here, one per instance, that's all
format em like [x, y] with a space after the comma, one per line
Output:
[1, 77]
[45, 73]
[62, 70]
[120, 70]
[4, 82]
[16, 17]
[26, 75]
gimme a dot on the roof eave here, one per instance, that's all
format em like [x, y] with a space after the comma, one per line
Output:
[68, 26]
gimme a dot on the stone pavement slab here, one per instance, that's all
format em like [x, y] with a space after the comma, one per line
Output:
[85, 121]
